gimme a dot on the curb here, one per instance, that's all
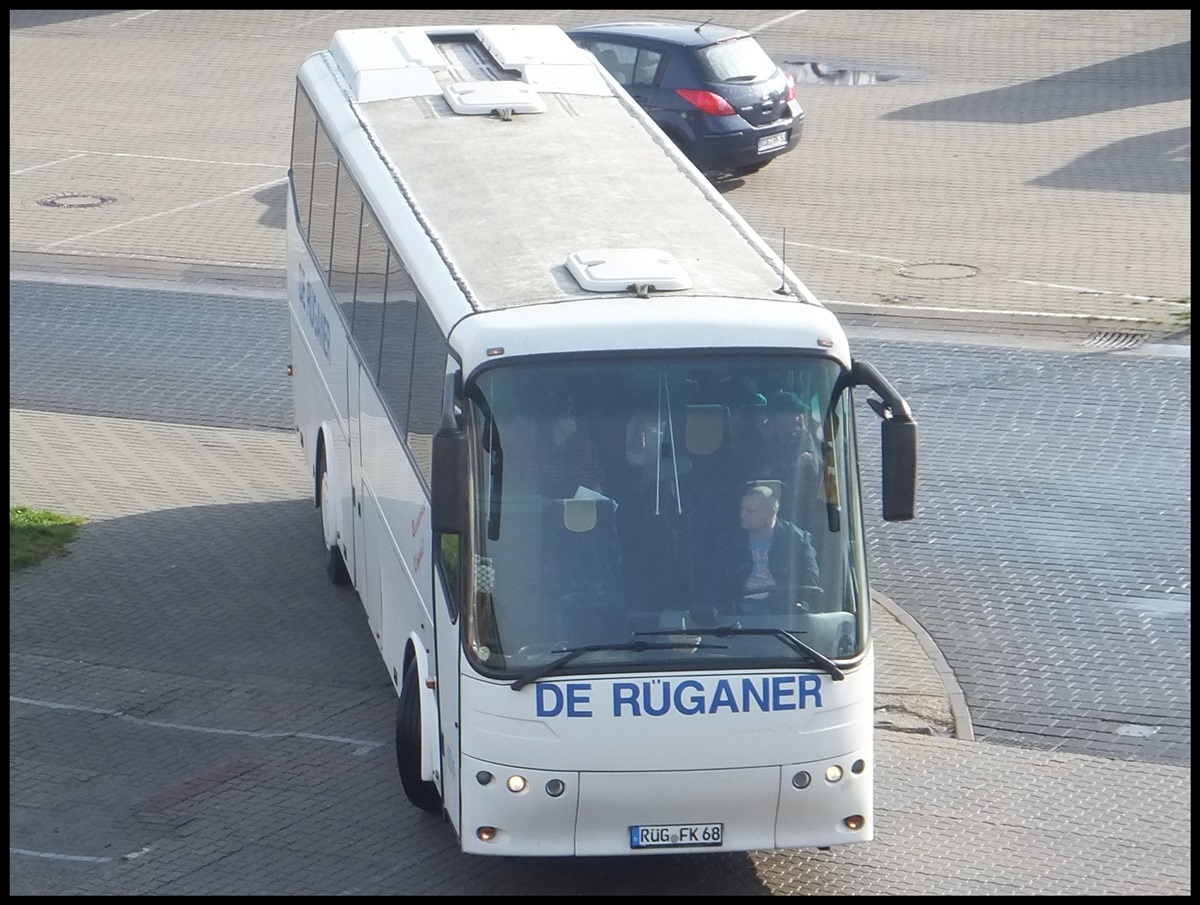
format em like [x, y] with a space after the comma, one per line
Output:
[961, 714]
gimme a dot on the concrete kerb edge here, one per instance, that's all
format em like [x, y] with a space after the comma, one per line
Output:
[961, 714]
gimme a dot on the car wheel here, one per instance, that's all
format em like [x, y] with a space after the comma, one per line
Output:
[335, 564]
[680, 142]
[422, 794]
[750, 168]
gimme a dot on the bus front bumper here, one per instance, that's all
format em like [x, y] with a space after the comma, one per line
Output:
[517, 812]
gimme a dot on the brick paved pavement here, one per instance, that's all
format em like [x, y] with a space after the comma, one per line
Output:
[1047, 149]
[184, 729]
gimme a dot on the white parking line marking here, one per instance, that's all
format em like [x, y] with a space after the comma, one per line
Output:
[176, 210]
[1040, 283]
[891, 306]
[149, 12]
[777, 20]
[79, 152]
[56, 856]
[51, 163]
[362, 746]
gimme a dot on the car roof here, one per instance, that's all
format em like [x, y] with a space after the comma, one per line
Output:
[685, 34]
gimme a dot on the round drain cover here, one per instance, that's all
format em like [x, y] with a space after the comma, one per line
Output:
[71, 200]
[936, 271]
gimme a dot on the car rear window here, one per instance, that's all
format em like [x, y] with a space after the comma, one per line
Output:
[738, 60]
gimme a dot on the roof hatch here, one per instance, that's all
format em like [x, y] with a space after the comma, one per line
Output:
[618, 269]
[483, 98]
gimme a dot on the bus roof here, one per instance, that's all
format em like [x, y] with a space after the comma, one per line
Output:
[527, 208]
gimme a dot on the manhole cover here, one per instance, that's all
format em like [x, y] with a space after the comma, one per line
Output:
[1118, 342]
[936, 271]
[73, 200]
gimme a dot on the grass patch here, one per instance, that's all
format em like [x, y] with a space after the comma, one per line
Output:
[34, 534]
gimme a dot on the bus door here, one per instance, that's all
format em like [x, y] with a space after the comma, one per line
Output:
[446, 626]
[357, 563]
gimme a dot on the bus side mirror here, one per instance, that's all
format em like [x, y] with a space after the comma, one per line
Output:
[448, 495]
[899, 441]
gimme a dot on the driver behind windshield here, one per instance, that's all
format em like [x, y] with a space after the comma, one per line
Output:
[774, 563]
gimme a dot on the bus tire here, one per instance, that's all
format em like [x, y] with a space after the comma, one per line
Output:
[421, 793]
[335, 564]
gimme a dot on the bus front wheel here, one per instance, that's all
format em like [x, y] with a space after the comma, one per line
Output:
[421, 793]
[335, 564]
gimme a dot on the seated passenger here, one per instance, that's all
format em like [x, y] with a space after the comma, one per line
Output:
[784, 445]
[546, 450]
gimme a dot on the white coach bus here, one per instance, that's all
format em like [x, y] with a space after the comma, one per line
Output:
[538, 363]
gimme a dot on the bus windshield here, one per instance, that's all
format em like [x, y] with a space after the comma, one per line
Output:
[684, 513]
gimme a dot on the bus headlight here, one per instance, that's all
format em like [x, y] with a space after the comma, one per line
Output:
[517, 784]
[555, 787]
[833, 774]
[801, 780]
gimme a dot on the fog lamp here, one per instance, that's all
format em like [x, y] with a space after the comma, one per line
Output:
[516, 784]
[486, 833]
[801, 780]
[483, 777]
[833, 774]
[855, 822]
[555, 787]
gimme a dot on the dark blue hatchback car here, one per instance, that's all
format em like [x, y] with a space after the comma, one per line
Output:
[711, 88]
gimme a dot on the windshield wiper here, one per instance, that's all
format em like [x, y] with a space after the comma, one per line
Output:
[726, 631]
[638, 646]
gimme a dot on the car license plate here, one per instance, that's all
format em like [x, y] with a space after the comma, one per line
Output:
[677, 835]
[771, 142]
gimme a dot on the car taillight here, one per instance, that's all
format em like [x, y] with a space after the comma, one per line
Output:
[791, 88]
[706, 102]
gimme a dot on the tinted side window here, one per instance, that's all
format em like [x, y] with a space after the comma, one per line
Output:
[324, 193]
[428, 385]
[645, 70]
[396, 348]
[366, 325]
[618, 59]
[304, 140]
[347, 222]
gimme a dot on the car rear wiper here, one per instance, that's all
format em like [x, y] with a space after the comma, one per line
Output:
[638, 646]
[726, 631]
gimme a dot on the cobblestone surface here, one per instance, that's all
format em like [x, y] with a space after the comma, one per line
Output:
[193, 730]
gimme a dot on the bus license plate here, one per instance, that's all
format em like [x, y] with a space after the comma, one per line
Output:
[677, 835]
[771, 142]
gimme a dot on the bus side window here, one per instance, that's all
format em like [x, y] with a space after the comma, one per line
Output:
[397, 341]
[367, 323]
[428, 385]
[347, 224]
[304, 142]
[325, 175]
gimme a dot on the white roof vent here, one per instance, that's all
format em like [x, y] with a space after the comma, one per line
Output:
[545, 57]
[483, 98]
[616, 269]
[384, 63]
